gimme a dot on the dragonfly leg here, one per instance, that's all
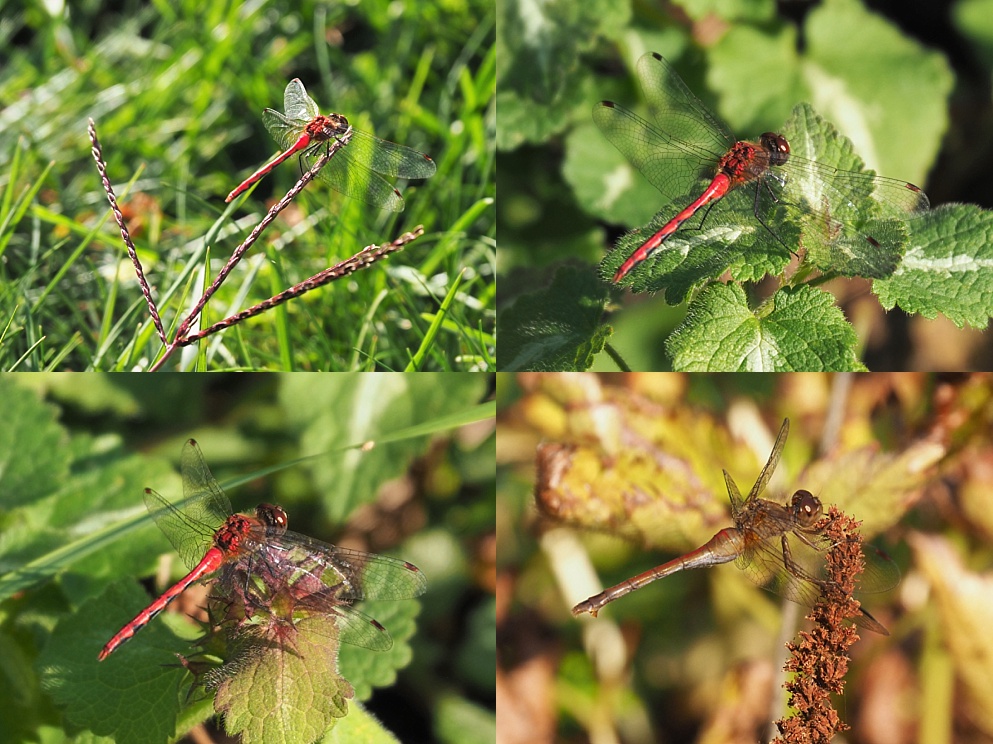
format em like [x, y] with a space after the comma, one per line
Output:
[795, 568]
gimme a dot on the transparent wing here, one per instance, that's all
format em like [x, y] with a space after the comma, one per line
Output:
[295, 576]
[354, 170]
[681, 147]
[353, 575]
[737, 502]
[765, 564]
[285, 131]
[191, 528]
[669, 165]
[770, 466]
[389, 158]
[682, 115]
[296, 103]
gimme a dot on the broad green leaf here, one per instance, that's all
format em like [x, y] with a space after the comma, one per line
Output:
[540, 51]
[104, 696]
[946, 268]
[285, 692]
[798, 329]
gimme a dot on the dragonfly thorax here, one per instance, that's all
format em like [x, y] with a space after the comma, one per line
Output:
[326, 127]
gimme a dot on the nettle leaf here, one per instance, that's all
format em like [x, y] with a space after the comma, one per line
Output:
[288, 691]
[559, 328]
[103, 696]
[854, 223]
[946, 268]
[798, 329]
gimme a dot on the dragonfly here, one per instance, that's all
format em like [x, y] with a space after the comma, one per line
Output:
[779, 547]
[320, 577]
[689, 143]
[355, 168]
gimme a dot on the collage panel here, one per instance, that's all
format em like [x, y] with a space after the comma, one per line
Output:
[254, 558]
[266, 186]
[744, 558]
[731, 187]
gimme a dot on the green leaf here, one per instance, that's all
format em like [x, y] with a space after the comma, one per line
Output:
[887, 92]
[800, 329]
[840, 204]
[367, 669]
[729, 239]
[286, 692]
[556, 329]
[946, 269]
[359, 726]
[35, 460]
[103, 696]
[886, 89]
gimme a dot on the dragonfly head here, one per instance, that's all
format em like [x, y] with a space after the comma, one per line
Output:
[326, 127]
[273, 517]
[806, 508]
[777, 146]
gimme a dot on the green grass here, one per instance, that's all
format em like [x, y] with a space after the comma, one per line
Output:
[176, 93]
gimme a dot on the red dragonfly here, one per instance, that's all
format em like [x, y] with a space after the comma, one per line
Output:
[354, 170]
[690, 143]
[778, 547]
[209, 537]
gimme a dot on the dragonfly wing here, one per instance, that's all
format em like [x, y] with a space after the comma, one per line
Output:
[296, 103]
[673, 167]
[765, 564]
[735, 495]
[348, 175]
[205, 502]
[285, 131]
[880, 575]
[190, 540]
[772, 462]
[684, 117]
[389, 158]
[350, 575]
[359, 629]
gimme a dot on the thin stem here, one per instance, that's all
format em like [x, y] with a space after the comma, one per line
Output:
[109, 190]
[366, 257]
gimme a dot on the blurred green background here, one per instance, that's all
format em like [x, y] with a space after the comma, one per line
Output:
[908, 83]
[77, 456]
[177, 92]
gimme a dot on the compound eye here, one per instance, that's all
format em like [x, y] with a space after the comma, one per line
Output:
[273, 517]
[806, 507]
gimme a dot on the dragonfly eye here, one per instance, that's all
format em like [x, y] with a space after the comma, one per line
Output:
[273, 517]
[806, 507]
[778, 147]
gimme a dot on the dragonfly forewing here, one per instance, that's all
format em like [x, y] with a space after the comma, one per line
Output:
[674, 105]
[297, 104]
